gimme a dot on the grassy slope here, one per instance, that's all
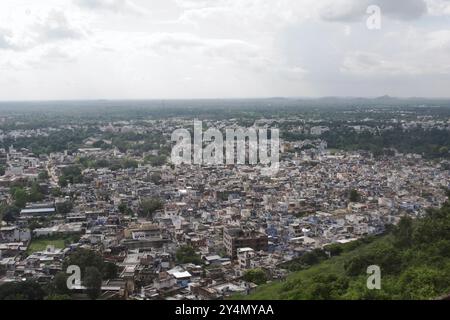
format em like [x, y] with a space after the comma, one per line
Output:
[415, 264]
[291, 288]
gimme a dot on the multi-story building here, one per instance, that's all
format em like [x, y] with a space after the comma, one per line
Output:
[234, 238]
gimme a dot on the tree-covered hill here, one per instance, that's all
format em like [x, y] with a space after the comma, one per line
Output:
[414, 258]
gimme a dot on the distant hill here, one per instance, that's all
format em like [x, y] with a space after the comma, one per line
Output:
[414, 258]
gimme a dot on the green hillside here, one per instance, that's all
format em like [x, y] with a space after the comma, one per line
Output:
[414, 258]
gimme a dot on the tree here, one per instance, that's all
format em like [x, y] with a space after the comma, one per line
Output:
[84, 258]
[89, 260]
[28, 290]
[43, 176]
[35, 194]
[306, 260]
[64, 207]
[129, 164]
[35, 224]
[156, 161]
[20, 197]
[403, 232]
[156, 178]
[433, 227]
[115, 167]
[100, 144]
[422, 283]
[56, 192]
[447, 193]
[93, 282]
[357, 265]
[62, 181]
[59, 284]
[354, 196]
[102, 163]
[149, 206]
[9, 213]
[256, 276]
[334, 249]
[110, 270]
[70, 174]
[124, 209]
[187, 254]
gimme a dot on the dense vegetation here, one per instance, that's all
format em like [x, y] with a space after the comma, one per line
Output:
[257, 276]
[55, 142]
[337, 114]
[433, 143]
[70, 174]
[414, 258]
[187, 254]
[21, 193]
[112, 164]
[149, 206]
[28, 290]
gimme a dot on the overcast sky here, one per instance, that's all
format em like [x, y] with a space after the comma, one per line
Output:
[138, 49]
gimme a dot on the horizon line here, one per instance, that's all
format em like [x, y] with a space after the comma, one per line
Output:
[228, 98]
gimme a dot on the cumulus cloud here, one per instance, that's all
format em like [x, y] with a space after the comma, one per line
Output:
[39, 38]
[5, 42]
[193, 48]
[352, 10]
[438, 7]
[55, 27]
[248, 16]
[48, 27]
[116, 6]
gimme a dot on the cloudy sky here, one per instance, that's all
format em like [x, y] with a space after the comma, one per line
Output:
[138, 49]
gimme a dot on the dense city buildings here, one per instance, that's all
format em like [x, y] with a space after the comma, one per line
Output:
[156, 230]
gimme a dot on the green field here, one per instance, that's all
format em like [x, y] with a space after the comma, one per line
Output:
[41, 244]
